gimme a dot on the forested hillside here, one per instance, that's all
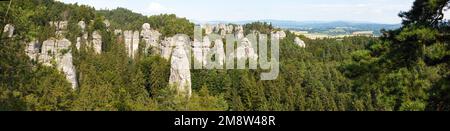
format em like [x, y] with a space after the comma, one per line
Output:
[404, 70]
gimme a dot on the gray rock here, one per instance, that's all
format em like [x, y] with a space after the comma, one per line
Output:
[166, 47]
[135, 44]
[32, 50]
[299, 42]
[58, 51]
[245, 50]
[82, 25]
[180, 75]
[118, 32]
[239, 32]
[107, 23]
[97, 42]
[151, 38]
[9, 29]
[208, 29]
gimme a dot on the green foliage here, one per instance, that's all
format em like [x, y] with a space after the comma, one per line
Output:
[262, 27]
[170, 25]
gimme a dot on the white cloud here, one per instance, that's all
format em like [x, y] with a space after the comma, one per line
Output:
[157, 8]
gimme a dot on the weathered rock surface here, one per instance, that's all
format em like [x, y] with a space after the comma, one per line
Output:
[239, 32]
[208, 29]
[180, 75]
[82, 25]
[299, 42]
[57, 51]
[245, 50]
[278, 34]
[131, 42]
[32, 50]
[9, 29]
[97, 42]
[60, 27]
[166, 48]
[151, 38]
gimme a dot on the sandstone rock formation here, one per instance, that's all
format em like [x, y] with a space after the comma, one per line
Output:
[219, 52]
[60, 27]
[239, 32]
[208, 29]
[107, 23]
[197, 50]
[180, 75]
[82, 25]
[299, 42]
[131, 42]
[9, 29]
[32, 50]
[57, 52]
[84, 38]
[117, 32]
[97, 42]
[151, 38]
[245, 50]
[166, 47]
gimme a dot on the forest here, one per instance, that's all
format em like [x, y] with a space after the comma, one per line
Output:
[405, 69]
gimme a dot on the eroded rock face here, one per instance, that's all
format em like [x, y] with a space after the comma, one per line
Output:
[219, 52]
[208, 29]
[239, 32]
[131, 42]
[135, 44]
[299, 42]
[230, 29]
[60, 26]
[118, 32]
[245, 50]
[151, 38]
[180, 75]
[282, 34]
[57, 52]
[97, 42]
[9, 29]
[32, 50]
[107, 23]
[166, 47]
[48, 51]
[197, 50]
[64, 61]
[82, 25]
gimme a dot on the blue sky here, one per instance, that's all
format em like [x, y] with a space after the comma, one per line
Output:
[377, 11]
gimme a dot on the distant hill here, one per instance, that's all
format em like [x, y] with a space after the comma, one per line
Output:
[323, 26]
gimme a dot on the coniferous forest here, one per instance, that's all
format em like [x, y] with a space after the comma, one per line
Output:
[406, 69]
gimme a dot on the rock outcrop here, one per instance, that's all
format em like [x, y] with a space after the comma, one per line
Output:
[97, 42]
[208, 29]
[32, 50]
[151, 38]
[57, 52]
[131, 42]
[239, 32]
[279, 34]
[180, 75]
[60, 27]
[299, 42]
[166, 47]
[245, 50]
[84, 38]
[9, 29]
[82, 26]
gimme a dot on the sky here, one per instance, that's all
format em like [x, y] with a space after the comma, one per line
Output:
[375, 11]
